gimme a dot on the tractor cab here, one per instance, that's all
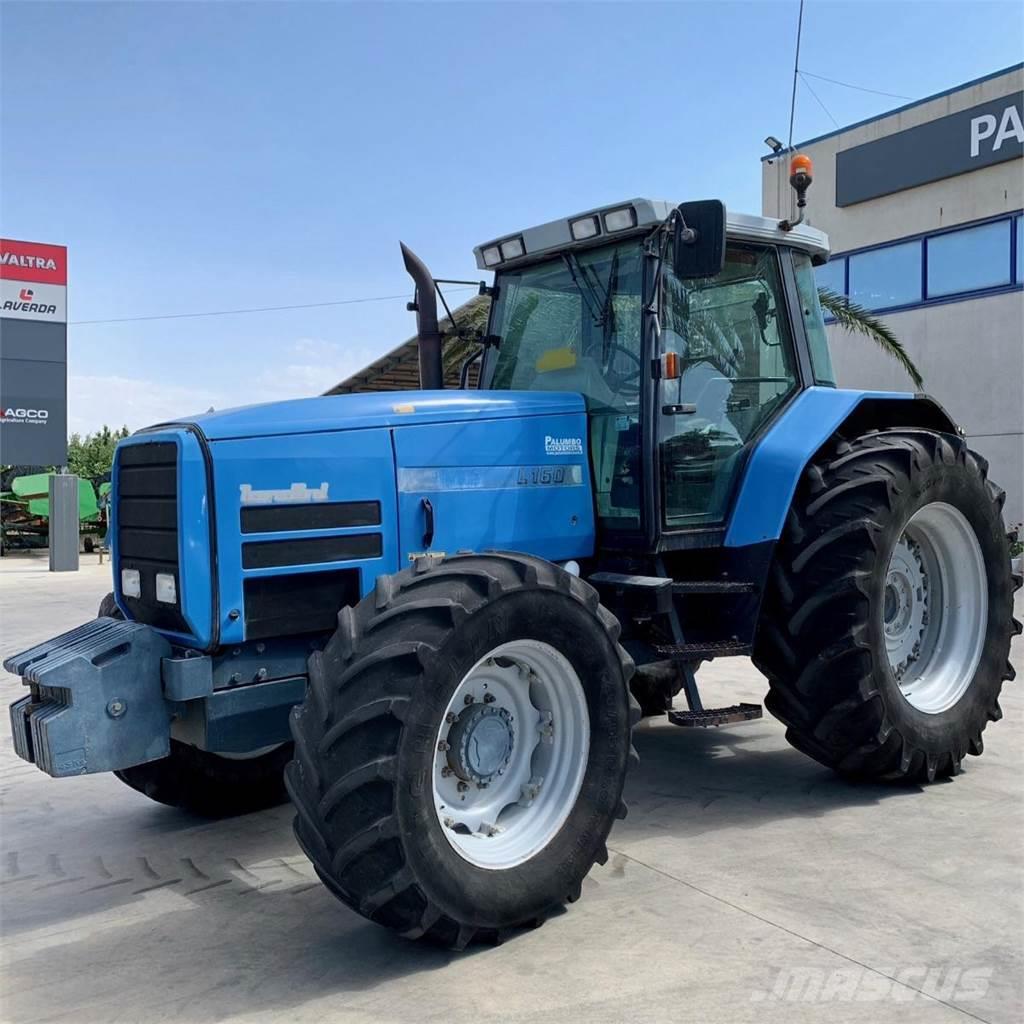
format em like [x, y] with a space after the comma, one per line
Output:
[684, 342]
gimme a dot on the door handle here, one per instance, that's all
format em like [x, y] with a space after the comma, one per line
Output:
[428, 522]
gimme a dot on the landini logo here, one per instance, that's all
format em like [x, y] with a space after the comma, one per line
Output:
[297, 494]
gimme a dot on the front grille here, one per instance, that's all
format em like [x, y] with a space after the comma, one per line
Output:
[296, 603]
[147, 529]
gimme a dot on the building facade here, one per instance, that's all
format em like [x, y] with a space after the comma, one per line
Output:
[924, 208]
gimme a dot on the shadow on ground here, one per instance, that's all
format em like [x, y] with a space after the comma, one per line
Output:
[231, 916]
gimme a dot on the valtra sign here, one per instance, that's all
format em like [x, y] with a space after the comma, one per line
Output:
[33, 281]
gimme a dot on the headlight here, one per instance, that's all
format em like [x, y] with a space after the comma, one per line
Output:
[585, 227]
[492, 256]
[166, 591]
[620, 220]
[131, 584]
[512, 249]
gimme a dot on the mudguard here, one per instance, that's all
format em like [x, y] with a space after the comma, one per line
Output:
[777, 462]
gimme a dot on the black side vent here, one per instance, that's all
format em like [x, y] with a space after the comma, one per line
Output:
[147, 528]
[310, 550]
[305, 602]
[316, 516]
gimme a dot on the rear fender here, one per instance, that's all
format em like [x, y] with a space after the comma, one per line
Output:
[813, 419]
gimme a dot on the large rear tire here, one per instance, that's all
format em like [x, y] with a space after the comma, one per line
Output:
[887, 620]
[460, 756]
[200, 782]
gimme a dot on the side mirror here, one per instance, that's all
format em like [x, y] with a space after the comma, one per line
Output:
[698, 239]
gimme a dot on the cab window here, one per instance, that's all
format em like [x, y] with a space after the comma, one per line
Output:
[738, 367]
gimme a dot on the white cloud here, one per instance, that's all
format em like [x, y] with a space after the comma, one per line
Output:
[311, 366]
[95, 400]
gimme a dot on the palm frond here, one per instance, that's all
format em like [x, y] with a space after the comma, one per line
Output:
[856, 318]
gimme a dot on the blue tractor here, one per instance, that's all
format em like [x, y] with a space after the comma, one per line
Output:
[432, 618]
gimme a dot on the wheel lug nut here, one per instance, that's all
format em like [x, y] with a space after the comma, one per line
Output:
[446, 772]
[450, 717]
[443, 746]
[468, 699]
[489, 698]
[463, 786]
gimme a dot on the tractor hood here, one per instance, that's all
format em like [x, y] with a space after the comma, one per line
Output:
[379, 409]
[272, 517]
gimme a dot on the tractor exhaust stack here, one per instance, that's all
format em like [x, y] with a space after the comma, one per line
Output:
[428, 335]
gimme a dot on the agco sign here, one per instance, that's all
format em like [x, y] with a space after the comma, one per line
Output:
[36, 416]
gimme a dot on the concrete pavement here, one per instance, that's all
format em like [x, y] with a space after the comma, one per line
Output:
[747, 884]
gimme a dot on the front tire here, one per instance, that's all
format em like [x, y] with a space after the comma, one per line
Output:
[431, 797]
[887, 620]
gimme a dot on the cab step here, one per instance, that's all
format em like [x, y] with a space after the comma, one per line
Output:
[708, 717]
[713, 587]
[702, 652]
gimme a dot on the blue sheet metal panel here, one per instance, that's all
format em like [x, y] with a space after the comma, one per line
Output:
[520, 484]
[776, 464]
[380, 409]
[354, 466]
[195, 582]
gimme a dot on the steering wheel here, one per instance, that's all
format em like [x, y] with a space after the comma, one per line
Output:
[627, 383]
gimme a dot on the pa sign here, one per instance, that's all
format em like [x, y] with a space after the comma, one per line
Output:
[989, 133]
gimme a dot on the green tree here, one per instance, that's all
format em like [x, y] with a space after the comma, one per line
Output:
[857, 319]
[91, 456]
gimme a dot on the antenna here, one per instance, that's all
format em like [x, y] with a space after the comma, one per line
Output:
[796, 73]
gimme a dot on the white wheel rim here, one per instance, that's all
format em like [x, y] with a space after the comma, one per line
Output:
[511, 754]
[935, 608]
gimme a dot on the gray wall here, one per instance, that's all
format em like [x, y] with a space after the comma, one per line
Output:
[972, 356]
[971, 352]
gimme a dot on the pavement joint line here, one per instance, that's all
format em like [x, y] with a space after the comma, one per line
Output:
[797, 935]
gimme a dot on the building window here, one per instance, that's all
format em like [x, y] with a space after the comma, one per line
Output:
[969, 260]
[832, 276]
[1020, 250]
[886, 277]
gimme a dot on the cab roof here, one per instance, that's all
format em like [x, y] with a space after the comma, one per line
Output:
[640, 215]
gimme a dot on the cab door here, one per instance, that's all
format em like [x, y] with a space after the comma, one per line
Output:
[738, 366]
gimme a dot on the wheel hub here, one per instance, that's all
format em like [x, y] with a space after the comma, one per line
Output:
[511, 754]
[905, 605]
[480, 743]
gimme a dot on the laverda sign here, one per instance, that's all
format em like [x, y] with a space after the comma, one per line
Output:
[33, 353]
[977, 137]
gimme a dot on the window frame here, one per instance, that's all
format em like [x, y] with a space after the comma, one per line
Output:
[908, 244]
[1012, 218]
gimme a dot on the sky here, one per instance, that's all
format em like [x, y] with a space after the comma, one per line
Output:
[197, 157]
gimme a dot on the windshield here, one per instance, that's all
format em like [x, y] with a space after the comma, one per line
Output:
[572, 323]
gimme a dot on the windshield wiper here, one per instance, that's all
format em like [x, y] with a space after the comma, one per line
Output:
[591, 299]
[607, 323]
